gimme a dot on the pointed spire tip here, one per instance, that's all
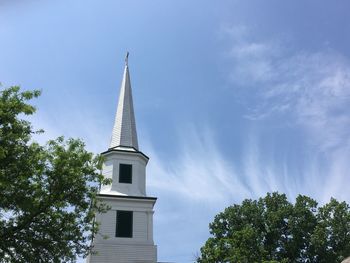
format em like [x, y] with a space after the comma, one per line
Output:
[126, 58]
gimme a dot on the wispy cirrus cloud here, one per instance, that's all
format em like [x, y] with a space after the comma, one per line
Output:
[311, 90]
[198, 171]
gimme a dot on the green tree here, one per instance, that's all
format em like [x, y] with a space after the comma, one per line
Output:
[272, 229]
[331, 237]
[47, 193]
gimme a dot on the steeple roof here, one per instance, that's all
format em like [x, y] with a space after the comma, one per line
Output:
[124, 131]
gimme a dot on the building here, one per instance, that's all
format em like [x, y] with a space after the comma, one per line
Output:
[126, 231]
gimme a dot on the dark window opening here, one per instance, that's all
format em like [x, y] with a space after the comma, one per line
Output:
[124, 224]
[125, 173]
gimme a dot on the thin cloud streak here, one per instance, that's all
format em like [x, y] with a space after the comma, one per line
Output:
[198, 172]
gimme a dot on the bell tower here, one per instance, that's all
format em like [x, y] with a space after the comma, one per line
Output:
[126, 230]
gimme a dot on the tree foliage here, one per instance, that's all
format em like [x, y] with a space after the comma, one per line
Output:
[272, 229]
[47, 193]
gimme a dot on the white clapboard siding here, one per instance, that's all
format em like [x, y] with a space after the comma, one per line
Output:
[108, 253]
[140, 225]
[107, 224]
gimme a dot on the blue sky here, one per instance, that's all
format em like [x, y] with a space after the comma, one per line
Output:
[233, 99]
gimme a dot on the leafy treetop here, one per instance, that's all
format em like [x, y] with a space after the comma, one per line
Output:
[48, 193]
[274, 230]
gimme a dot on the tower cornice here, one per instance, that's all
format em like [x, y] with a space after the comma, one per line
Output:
[126, 197]
[129, 151]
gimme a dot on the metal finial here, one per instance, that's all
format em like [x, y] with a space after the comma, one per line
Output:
[126, 58]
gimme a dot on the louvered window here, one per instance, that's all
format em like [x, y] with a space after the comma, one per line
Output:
[124, 224]
[125, 173]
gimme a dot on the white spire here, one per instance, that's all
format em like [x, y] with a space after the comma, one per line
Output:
[124, 130]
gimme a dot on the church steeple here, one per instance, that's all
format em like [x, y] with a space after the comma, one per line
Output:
[126, 230]
[124, 131]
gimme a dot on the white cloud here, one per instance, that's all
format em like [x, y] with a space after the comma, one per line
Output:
[312, 89]
[255, 58]
[198, 172]
[313, 86]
